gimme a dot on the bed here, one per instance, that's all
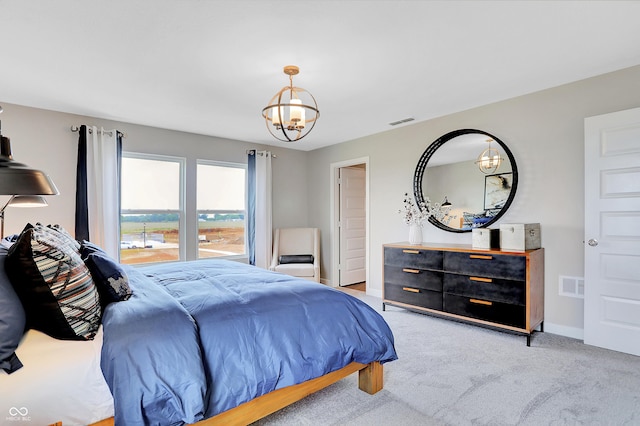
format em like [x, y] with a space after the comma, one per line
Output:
[210, 341]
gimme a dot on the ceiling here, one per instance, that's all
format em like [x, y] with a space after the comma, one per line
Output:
[210, 66]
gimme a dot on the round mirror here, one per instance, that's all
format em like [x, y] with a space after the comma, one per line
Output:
[468, 178]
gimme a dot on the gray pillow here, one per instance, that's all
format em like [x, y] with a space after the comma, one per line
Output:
[12, 321]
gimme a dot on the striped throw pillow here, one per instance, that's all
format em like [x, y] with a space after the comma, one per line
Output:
[53, 284]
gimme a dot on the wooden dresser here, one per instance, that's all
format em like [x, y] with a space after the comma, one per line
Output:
[496, 288]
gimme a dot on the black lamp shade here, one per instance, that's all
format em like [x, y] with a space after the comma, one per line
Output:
[18, 179]
[25, 181]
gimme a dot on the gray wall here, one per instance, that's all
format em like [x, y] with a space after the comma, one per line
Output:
[43, 140]
[544, 130]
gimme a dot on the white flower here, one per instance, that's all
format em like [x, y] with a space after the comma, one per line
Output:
[417, 214]
[413, 214]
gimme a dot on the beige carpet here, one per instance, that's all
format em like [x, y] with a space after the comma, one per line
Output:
[449, 373]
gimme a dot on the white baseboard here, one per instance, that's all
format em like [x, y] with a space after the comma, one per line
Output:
[326, 282]
[374, 293]
[563, 330]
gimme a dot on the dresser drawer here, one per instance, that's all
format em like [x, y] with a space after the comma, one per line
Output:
[486, 265]
[495, 289]
[501, 313]
[413, 258]
[419, 278]
[413, 296]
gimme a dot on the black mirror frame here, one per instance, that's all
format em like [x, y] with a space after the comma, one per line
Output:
[421, 167]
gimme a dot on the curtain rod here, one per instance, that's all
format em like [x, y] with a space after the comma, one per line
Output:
[109, 132]
[254, 151]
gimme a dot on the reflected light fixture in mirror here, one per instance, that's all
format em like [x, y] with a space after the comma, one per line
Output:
[489, 160]
[446, 202]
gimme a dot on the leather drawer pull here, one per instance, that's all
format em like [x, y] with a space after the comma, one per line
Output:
[411, 271]
[411, 251]
[481, 302]
[480, 279]
[411, 290]
[480, 256]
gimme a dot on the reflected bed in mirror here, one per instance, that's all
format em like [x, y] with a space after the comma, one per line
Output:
[472, 170]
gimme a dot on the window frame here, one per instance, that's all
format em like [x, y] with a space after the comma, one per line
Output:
[242, 166]
[182, 226]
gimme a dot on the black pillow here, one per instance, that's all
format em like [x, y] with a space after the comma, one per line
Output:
[53, 284]
[110, 279]
[296, 258]
[12, 321]
[87, 247]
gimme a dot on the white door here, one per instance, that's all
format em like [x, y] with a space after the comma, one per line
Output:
[612, 231]
[352, 225]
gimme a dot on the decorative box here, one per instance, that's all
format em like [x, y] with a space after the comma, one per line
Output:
[485, 238]
[520, 236]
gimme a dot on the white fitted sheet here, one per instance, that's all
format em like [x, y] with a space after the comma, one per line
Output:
[61, 380]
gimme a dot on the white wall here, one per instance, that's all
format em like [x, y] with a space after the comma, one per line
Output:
[43, 140]
[544, 130]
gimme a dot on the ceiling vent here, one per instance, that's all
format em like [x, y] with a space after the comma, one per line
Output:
[404, 120]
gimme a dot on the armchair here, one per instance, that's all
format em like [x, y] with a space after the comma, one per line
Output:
[296, 252]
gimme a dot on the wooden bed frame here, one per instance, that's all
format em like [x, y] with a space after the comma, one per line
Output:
[369, 380]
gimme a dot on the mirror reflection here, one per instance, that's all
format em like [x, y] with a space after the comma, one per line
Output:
[469, 177]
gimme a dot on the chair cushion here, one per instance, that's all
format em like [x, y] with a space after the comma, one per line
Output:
[296, 269]
[296, 258]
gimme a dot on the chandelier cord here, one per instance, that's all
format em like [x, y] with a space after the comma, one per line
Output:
[290, 86]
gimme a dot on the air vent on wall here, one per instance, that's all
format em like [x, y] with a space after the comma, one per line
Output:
[404, 120]
[571, 286]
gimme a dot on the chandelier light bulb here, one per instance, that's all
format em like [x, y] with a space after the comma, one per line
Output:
[275, 116]
[296, 113]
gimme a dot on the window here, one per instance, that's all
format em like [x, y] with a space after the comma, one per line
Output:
[221, 209]
[152, 208]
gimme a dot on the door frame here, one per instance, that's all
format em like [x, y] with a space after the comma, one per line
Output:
[334, 208]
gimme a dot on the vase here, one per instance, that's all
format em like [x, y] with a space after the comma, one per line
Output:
[415, 234]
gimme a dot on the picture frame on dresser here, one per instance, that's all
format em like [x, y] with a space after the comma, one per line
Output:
[494, 288]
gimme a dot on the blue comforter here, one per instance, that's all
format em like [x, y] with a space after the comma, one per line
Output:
[198, 338]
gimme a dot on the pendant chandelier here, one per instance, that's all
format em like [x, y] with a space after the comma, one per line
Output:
[489, 160]
[292, 112]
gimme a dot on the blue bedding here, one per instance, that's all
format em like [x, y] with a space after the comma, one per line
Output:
[198, 338]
